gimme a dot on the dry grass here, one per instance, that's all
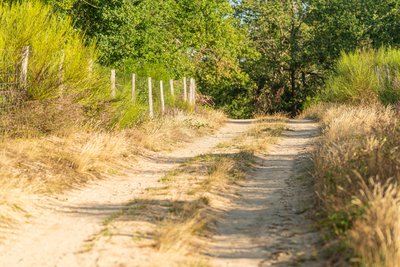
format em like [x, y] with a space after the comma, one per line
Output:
[166, 134]
[214, 173]
[172, 222]
[357, 170]
[264, 133]
[69, 158]
[191, 200]
[376, 235]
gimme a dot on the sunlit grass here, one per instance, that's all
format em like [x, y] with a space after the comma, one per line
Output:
[357, 173]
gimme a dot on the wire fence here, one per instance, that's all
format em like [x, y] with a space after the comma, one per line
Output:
[136, 97]
[160, 96]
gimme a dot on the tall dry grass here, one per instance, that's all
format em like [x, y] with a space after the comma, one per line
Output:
[71, 157]
[357, 170]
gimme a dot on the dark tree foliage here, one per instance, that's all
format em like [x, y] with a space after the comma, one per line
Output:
[300, 41]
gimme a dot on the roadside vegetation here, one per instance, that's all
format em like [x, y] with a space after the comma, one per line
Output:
[357, 161]
[338, 59]
[49, 165]
[367, 76]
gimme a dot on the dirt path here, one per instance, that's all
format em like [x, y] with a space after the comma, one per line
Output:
[57, 234]
[269, 225]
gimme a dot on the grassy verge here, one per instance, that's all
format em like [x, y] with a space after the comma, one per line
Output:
[171, 223]
[357, 170]
[57, 162]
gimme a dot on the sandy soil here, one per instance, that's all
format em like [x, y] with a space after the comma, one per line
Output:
[56, 235]
[269, 225]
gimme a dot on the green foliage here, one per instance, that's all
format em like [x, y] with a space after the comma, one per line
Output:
[249, 55]
[52, 42]
[365, 76]
[62, 69]
[336, 27]
[299, 43]
[170, 38]
[283, 72]
[344, 26]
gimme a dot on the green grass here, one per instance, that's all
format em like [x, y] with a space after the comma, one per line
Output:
[62, 68]
[365, 76]
[50, 38]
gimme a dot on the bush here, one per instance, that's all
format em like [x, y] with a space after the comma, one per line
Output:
[52, 40]
[61, 70]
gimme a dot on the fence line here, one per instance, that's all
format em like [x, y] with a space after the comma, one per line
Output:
[14, 82]
[156, 99]
[384, 74]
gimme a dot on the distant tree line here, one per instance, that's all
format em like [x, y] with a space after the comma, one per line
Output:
[252, 56]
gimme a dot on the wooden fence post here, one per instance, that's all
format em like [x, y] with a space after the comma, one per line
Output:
[191, 91]
[151, 113]
[378, 73]
[90, 67]
[171, 85]
[113, 85]
[162, 97]
[194, 92]
[133, 88]
[388, 74]
[24, 68]
[184, 89]
[61, 73]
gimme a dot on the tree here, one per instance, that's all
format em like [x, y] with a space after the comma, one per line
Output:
[274, 54]
[283, 73]
[171, 38]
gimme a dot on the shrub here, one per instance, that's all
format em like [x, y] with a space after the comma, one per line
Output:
[62, 71]
[52, 40]
[366, 76]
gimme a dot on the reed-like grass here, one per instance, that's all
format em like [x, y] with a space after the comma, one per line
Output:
[53, 44]
[365, 77]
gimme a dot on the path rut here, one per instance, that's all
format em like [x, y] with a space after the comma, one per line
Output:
[269, 225]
